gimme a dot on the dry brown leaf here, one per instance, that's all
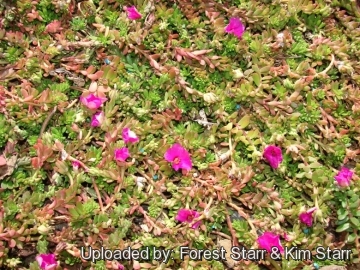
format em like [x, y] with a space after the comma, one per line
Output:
[5, 73]
[7, 166]
[227, 245]
[2, 161]
[96, 76]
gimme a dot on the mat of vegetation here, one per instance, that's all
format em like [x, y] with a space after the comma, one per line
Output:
[154, 125]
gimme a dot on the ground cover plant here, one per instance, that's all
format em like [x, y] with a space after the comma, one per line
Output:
[163, 124]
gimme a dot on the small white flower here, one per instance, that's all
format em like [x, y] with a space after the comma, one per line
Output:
[238, 74]
[140, 181]
[79, 117]
[64, 154]
[163, 25]
[280, 39]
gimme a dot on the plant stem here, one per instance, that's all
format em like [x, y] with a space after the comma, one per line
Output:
[47, 120]
[98, 195]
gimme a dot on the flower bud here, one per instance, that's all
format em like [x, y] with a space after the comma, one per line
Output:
[210, 97]
[44, 229]
[79, 117]
[280, 137]
[277, 205]
[238, 74]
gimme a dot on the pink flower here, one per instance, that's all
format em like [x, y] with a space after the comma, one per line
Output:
[343, 177]
[179, 157]
[129, 136]
[268, 240]
[121, 154]
[46, 261]
[273, 155]
[306, 217]
[133, 14]
[92, 101]
[186, 215]
[97, 119]
[235, 27]
[121, 267]
[76, 165]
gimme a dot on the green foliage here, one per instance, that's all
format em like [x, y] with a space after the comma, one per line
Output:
[309, 116]
[152, 95]
[270, 88]
[42, 246]
[278, 18]
[4, 130]
[314, 22]
[81, 212]
[176, 19]
[12, 54]
[242, 231]
[155, 208]
[47, 11]
[348, 215]
[11, 210]
[111, 17]
[300, 46]
[78, 24]
[100, 265]
[71, 260]
[104, 40]
[230, 47]
[60, 87]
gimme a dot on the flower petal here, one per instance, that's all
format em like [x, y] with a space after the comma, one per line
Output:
[133, 13]
[269, 240]
[46, 261]
[273, 155]
[121, 154]
[173, 152]
[129, 136]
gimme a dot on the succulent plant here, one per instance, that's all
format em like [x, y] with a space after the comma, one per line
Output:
[163, 124]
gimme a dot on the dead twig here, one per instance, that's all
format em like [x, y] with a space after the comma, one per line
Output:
[98, 195]
[235, 242]
[47, 120]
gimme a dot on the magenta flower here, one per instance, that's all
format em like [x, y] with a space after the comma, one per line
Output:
[186, 215]
[46, 261]
[235, 27]
[97, 119]
[92, 101]
[76, 165]
[273, 155]
[307, 217]
[179, 157]
[268, 240]
[133, 14]
[121, 154]
[343, 177]
[129, 136]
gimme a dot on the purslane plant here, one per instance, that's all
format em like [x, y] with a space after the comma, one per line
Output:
[171, 123]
